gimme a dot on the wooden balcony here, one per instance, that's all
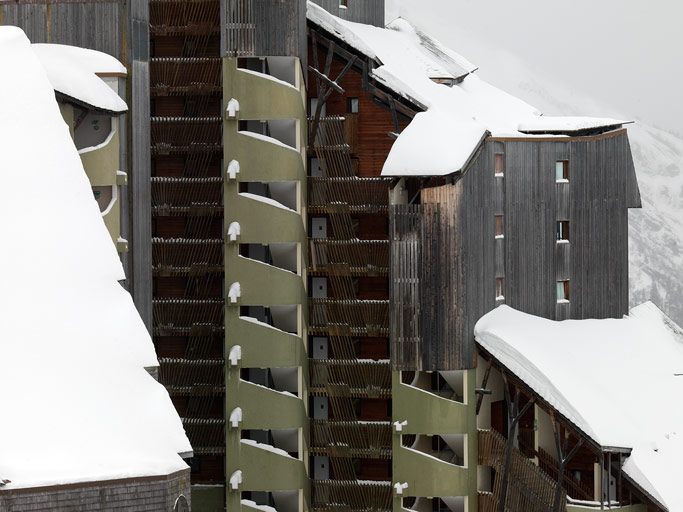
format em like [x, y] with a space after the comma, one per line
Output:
[354, 257]
[204, 432]
[350, 377]
[187, 256]
[203, 373]
[185, 76]
[183, 17]
[529, 487]
[200, 192]
[359, 195]
[349, 317]
[181, 135]
[354, 495]
[351, 439]
[187, 316]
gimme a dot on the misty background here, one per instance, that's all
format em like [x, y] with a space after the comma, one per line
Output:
[602, 58]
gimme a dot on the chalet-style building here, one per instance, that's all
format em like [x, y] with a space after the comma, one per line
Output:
[335, 230]
[85, 426]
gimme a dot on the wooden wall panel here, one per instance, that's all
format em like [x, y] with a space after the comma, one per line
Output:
[370, 12]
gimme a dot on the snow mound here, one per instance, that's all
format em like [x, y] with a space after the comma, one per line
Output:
[617, 380]
[74, 349]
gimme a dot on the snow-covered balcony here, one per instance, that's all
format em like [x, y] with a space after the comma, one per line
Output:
[362, 257]
[262, 157]
[440, 504]
[350, 317]
[265, 284]
[434, 401]
[268, 346]
[266, 88]
[367, 439]
[271, 501]
[358, 377]
[359, 495]
[359, 194]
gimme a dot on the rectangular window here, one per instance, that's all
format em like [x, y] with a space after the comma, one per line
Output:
[343, 4]
[563, 291]
[499, 226]
[353, 105]
[563, 231]
[499, 163]
[562, 171]
[500, 288]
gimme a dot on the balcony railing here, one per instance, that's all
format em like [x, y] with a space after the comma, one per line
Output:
[360, 194]
[355, 317]
[351, 439]
[185, 75]
[187, 256]
[173, 135]
[169, 17]
[203, 373]
[355, 256]
[529, 487]
[350, 377]
[187, 316]
[354, 495]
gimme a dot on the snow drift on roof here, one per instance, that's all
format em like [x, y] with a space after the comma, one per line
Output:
[443, 139]
[73, 71]
[615, 379]
[80, 405]
[567, 124]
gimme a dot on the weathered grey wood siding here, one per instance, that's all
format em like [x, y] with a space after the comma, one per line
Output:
[259, 28]
[370, 12]
[139, 190]
[99, 24]
[460, 258]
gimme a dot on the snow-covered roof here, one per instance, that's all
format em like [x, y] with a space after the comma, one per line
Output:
[74, 71]
[620, 381]
[442, 139]
[566, 125]
[79, 404]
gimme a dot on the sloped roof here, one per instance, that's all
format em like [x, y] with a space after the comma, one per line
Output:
[620, 381]
[74, 71]
[79, 404]
[442, 139]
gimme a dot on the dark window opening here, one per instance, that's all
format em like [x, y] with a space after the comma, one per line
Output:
[500, 288]
[499, 163]
[562, 170]
[562, 230]
[499, 226]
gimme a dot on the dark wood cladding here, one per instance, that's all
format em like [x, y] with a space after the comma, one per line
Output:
[259, 28]
[370, 12]
[460, 257]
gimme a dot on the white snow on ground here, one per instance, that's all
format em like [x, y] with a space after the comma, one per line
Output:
[442, 139]
[616, 379]
[77, 403]
[71, 71]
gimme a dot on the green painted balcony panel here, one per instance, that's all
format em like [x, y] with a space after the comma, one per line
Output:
[263, 284]
[262, 96]
[263, 222]
[428, 413]
[101, 162]
[261, 159]
[264, 346]
[429, 476]
[264, 470]
[613, 508]
[265, 408]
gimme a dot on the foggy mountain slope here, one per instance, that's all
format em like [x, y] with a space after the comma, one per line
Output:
[656, 230]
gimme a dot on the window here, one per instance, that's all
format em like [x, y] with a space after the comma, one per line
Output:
[343, 4]
[500, 288]
[562, 171]
[499, 164]
[562, 231]
[499, 226]
[563, 291]
[353, 105]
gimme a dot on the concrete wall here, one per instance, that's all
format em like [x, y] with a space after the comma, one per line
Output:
[153, 494]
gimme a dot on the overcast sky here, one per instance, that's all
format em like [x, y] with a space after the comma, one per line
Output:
[627, 54]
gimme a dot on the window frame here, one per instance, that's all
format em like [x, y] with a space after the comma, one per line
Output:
[564, 178]
[563, 287]
[350, 104]
[499, 158]
[562, 232]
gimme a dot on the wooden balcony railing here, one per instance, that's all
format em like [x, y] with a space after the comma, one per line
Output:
[205, 432]
[187, 316]
[351, 439]
[202, 373]
[356, 317]
[184, 75]
[354, 495]
[355, 256]
[173, 14]
[361, 194]
[187, 256]
[348, 377]
[172, 135]
[530, 489]
[577, 490]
